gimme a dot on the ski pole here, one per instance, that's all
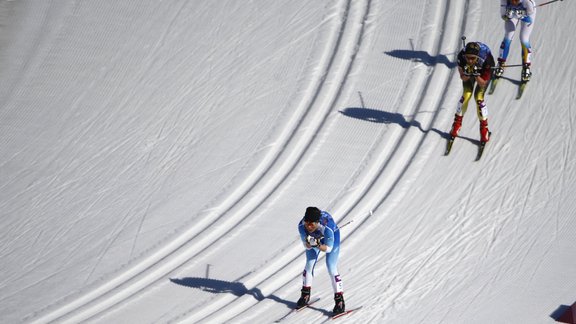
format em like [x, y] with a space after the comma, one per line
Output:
[511, 65]
[348, 223]
[549, 2]
[340, 227]
[463, 41]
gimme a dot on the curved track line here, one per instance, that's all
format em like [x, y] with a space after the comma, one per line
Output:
[173, 254]
[381, 190]
[344, 55]
[177, 252]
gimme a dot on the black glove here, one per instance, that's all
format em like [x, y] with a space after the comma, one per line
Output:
[472, 70]
[476, 70]
[313, 241]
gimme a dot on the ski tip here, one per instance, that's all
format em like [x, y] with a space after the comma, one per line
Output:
[449, 145]
[492, 86]
[521, 89]
[346, 312]
[481, 147]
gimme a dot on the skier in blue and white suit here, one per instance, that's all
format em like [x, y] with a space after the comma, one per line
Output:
[319, 233]
[514, 13]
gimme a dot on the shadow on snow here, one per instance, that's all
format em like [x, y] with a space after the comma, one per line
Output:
[235, 288]
[384, 117]
[422, 57]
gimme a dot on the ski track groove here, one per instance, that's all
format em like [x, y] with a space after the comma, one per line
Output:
[146, 272]
[295, 253]
[338, 79]
[247, 304]
[112, 292]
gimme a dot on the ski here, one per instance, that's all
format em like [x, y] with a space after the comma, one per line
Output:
[521, 89]
[296, 310]
[345, 313]
[481, 148]
[493, 84]
[449, 145]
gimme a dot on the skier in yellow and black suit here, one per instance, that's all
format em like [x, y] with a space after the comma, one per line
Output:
[475, 63]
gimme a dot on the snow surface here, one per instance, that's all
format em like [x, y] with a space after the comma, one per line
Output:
[156, 156]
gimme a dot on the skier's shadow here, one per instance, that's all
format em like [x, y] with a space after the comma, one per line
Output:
[384, 117]
[236, 288]
[422, 57]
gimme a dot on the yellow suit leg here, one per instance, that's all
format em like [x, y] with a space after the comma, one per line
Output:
[466, 94]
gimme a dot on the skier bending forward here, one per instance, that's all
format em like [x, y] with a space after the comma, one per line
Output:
[319, 233]
[475, 64]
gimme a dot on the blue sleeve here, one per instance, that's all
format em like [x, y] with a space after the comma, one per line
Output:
[303, 234]
[328, 239]
[330, 222]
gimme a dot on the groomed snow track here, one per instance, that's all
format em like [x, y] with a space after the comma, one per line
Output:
[384, 177]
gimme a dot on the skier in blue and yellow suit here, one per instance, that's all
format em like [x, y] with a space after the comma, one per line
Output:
[319, 233]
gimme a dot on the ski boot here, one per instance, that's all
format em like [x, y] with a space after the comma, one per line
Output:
[339, 306]
[456, 125]
[304, 297]
[484, 132]
[526, 73]
[499, 69]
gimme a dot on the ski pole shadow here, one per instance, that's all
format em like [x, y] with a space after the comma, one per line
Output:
[384, 117]
[321, 310]
[513, 81]
[422, 57]
[222, 287]
[471, 140]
